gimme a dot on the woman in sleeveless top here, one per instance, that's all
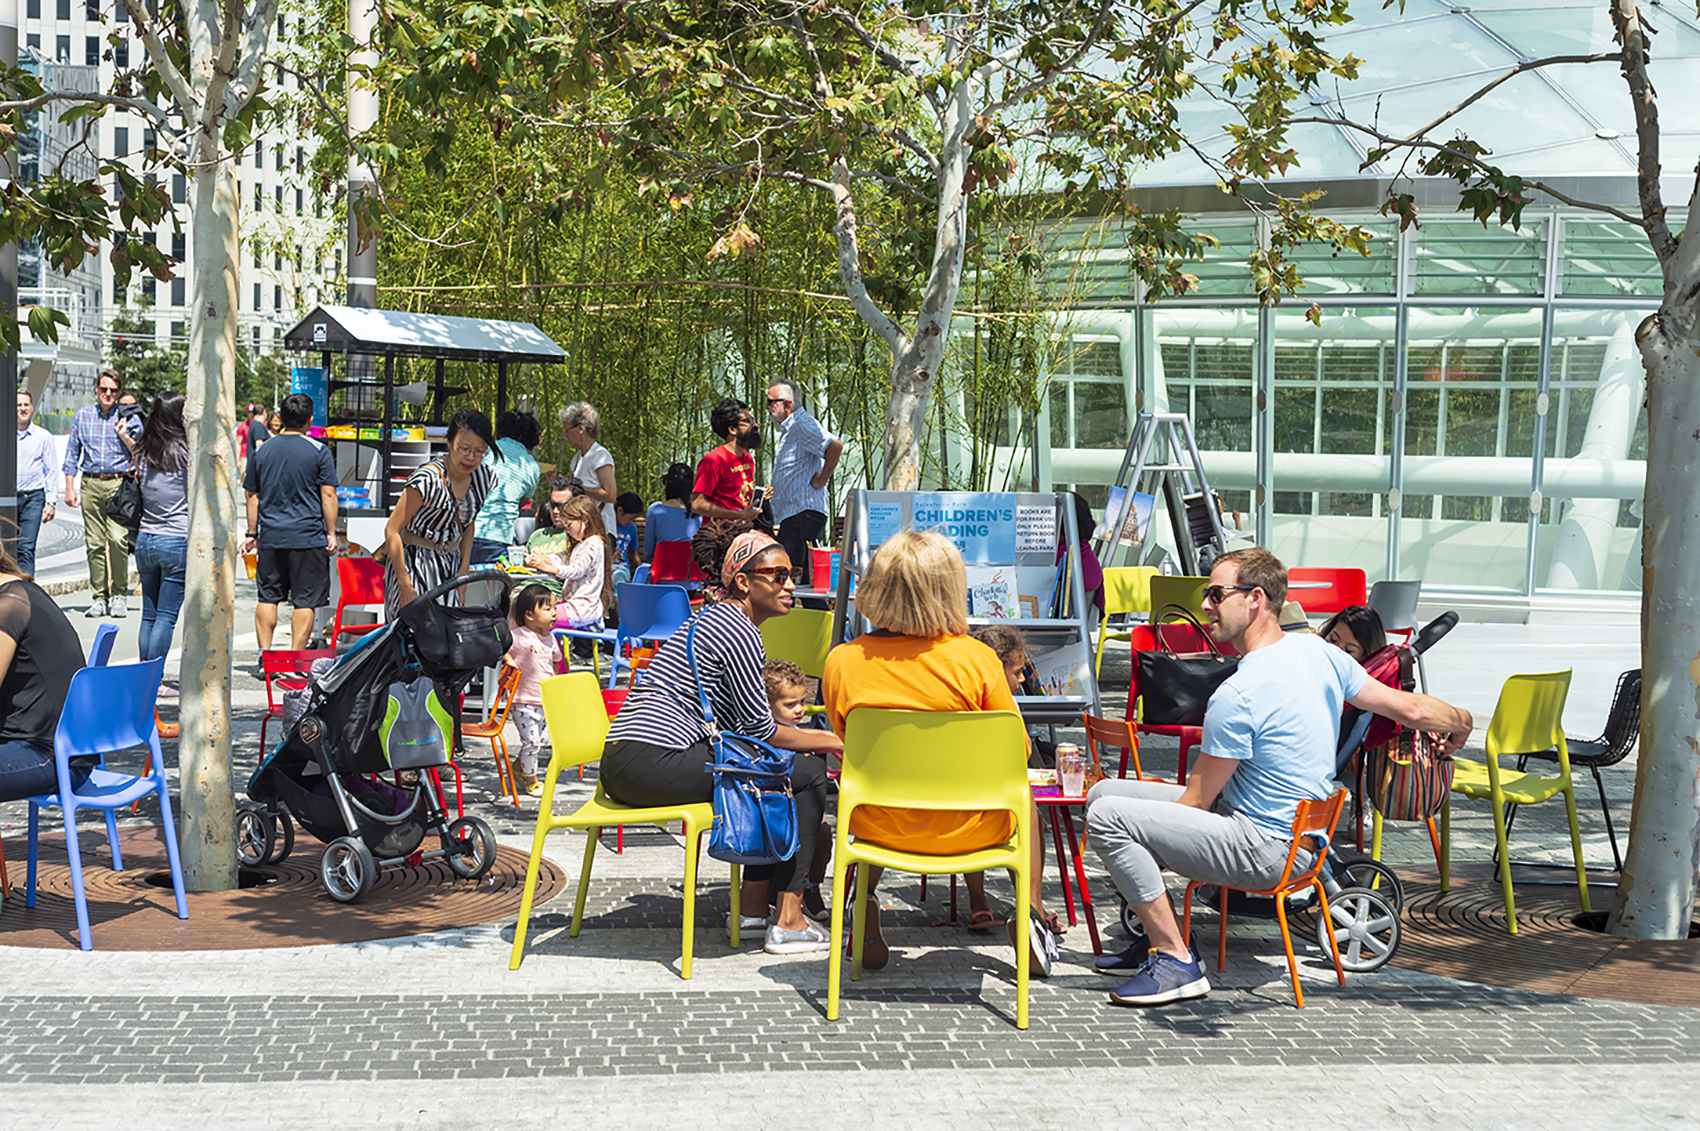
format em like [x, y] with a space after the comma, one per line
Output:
[429, 534]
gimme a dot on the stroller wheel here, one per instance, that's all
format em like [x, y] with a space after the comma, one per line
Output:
[347, 869]
[1131, 923]
[253, 836]
[285, 838]
[1356, 870]
[469, 848]
[1365, 925]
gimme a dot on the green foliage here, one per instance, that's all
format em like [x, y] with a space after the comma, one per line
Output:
[146, 368]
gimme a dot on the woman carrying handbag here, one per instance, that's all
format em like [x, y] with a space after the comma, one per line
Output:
[659, 747]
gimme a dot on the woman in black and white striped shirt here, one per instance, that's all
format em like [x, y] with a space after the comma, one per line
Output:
[429, 534]
[658, 750]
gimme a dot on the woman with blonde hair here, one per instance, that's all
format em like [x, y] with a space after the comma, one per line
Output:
[920, 657]
[584, 570]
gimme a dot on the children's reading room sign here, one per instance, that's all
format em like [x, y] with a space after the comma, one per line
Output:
[981, 525]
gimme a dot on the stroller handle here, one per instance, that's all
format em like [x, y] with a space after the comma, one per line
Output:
[453, 583]
[1433, 632]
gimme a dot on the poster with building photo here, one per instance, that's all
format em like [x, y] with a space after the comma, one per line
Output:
[1134, 521]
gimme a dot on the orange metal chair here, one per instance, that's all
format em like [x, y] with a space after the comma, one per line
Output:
[1314, 819]
[1112, 734]
[491, 729]
[1346, 587]
[360, 581]
[286, 668]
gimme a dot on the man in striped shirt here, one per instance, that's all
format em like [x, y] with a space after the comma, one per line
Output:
[94, 451]
[802, 466]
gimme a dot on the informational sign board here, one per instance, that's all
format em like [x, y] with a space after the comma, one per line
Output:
[312, 381]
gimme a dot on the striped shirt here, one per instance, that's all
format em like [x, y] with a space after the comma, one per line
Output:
[663, 709]
[35, 463]
[93, 445]
[802, 452]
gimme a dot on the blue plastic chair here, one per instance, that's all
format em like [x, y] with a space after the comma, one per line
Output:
[640, 575]
[107, 710]
[647, 612]
[100, 652]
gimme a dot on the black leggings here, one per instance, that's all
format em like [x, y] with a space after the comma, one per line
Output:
[642, 774]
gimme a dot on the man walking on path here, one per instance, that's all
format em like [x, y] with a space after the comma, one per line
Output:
[291, 486]
[725, 483]
[1270, 732]
[37, 492]
[95, 452]
[802, 467]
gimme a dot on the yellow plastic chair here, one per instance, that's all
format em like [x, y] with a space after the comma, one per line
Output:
[578, 725]
[1528, 719]
[1127, 589]
[803, 636]
[1187, 592]
[931, 760]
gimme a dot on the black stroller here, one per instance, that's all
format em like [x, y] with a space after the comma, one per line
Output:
[1364, 895]
[387, 705]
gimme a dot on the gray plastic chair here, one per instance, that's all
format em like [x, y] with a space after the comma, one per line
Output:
[1395, 602]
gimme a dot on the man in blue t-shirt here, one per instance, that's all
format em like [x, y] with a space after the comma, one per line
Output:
[291, 486]
[1270, 733]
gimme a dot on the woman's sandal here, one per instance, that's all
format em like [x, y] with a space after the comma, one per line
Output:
[983, 921]
[1050, 920]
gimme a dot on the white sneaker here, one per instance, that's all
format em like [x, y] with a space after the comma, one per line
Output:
[810, 940]
[116, 608]
[97, 608]
[749, 926]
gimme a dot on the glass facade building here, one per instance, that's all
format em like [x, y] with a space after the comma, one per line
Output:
[1470, 409]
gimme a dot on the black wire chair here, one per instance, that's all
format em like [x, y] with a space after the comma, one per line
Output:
[1623, 726]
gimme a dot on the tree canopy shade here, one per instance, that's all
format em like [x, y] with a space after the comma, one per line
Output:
[930, 103]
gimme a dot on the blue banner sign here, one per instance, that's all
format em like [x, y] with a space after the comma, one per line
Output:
[981, 524]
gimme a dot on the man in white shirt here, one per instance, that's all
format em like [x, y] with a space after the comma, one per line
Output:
[37, 495]
[803, 463]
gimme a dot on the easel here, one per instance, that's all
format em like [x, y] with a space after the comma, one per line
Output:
[1179, 482]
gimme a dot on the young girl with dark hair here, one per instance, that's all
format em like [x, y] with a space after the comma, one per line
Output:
[537, 655]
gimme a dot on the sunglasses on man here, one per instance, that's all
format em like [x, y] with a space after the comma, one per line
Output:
[1216, 594]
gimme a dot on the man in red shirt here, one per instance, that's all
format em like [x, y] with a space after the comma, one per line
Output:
[725, 483]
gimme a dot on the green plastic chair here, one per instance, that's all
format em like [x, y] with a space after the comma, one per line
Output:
[578, 725]
[1529, 719]
[931, 760]
[1127, 589]
[1187, 592]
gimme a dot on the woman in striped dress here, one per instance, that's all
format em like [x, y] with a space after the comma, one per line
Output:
[658, 751]
[429, 533]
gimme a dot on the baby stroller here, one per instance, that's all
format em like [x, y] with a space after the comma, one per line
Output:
[387, 705]
[1364, 895]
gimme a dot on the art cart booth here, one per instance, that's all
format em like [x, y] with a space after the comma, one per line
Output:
[383, 419]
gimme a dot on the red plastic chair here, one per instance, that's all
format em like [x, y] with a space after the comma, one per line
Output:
[1313, 817]
[1180, 637]
[361, 582]
[277, 666]
[673, 562]
[1346, 587]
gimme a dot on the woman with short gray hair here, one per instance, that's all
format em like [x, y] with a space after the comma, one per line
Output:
[592, 467]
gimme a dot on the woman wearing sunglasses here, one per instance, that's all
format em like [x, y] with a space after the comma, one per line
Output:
[658, 750]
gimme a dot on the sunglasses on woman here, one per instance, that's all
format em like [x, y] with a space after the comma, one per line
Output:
[778, 574]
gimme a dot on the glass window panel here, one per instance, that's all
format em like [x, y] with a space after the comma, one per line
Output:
[1348, 420]
[1466, 258]
[1602, 258]
[1060, 416]
[1295, 420]
[1355, 504]
[1292, 502]
[1551, 31]
[1472, 422]
[1223, 270]
[1422, 422]
[1520, 421]
[1100, 415]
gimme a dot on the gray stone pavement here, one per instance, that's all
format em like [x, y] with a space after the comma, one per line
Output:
[435, 1031]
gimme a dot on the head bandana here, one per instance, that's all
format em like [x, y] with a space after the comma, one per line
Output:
[745, 548]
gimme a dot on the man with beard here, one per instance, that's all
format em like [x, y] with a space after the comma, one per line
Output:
[725, 483]
[1270, 733]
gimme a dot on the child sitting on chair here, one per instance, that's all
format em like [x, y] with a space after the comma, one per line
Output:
[787, 689]
[537, 655]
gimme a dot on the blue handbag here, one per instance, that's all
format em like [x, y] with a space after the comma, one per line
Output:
[755, 816]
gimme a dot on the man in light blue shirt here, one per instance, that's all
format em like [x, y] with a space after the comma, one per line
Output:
[803, 463]
[37, 495]
[1270, 733]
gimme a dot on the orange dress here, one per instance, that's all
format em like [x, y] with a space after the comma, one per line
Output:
[912, 673]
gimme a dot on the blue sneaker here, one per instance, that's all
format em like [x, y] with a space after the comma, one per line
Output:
[1131, 959]
[1163, 979]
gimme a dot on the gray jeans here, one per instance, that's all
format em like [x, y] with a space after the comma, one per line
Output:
[1138, 831]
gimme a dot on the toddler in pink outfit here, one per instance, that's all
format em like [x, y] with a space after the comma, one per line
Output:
[537, 655]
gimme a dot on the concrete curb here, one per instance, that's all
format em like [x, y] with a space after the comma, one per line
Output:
[63, 588]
